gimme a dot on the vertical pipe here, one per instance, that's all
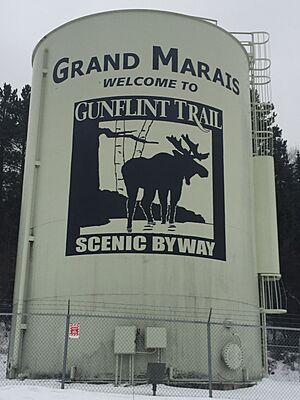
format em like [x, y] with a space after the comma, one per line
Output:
[209, 355]
[262, 285]
[132, 370]
[121, 366]
[117, 370]
[270, 283]
[73, 373]
[66, 347]
[159, 355]
[263, 296]
[26, 217]
[277, 290]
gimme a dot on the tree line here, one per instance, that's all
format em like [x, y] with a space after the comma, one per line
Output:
[14, 108]
[287, 181]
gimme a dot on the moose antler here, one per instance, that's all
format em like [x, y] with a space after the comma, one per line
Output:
[194, 149]
[177, 144]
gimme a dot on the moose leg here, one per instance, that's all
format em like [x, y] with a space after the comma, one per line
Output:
[146, 204]
[163, 196]
[175, 196]
[131, 203]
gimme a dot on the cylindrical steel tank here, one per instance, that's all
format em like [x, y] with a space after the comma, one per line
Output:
[138, 190]
[265, 214]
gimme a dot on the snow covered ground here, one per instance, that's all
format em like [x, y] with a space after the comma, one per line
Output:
[265, 390]
[282, 385]
[39, 393]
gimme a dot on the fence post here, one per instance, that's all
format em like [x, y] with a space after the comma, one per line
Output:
[209, 355]
[63, 378]
[299, 359]
[264, 342]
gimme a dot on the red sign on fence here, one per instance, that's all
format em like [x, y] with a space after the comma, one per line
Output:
[74, 330]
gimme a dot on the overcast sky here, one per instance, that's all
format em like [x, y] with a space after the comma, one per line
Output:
[24, 22]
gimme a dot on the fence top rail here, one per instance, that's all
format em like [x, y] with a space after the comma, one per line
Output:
[170, 319]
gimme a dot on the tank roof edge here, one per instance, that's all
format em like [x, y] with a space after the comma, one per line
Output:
[202, 19]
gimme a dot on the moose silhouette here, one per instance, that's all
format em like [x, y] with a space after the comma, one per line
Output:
[163, 173]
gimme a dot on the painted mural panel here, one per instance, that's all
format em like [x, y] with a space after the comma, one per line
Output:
[146, 176]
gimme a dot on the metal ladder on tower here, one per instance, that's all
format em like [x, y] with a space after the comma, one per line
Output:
[256, 45]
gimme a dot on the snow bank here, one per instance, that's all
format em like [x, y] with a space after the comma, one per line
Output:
[40, 393]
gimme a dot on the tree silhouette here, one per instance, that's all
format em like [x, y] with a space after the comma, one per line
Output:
[288, 218]
[13, 129]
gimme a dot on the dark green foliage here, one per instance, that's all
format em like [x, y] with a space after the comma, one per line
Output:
[296, 200]
[13, 128]
[287, 179]
[287, 182]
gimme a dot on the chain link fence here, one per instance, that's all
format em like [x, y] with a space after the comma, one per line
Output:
[138, 355]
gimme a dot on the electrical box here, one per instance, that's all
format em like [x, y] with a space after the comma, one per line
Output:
[156, 372]
[156, 338]
[125, 340]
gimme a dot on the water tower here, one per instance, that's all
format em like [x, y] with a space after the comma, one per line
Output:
[147, 191]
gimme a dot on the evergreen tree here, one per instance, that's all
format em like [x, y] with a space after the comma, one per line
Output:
[287, 189]
[296, 200]
[13, 130]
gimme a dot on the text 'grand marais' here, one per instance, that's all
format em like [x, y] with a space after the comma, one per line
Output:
[68, 69]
